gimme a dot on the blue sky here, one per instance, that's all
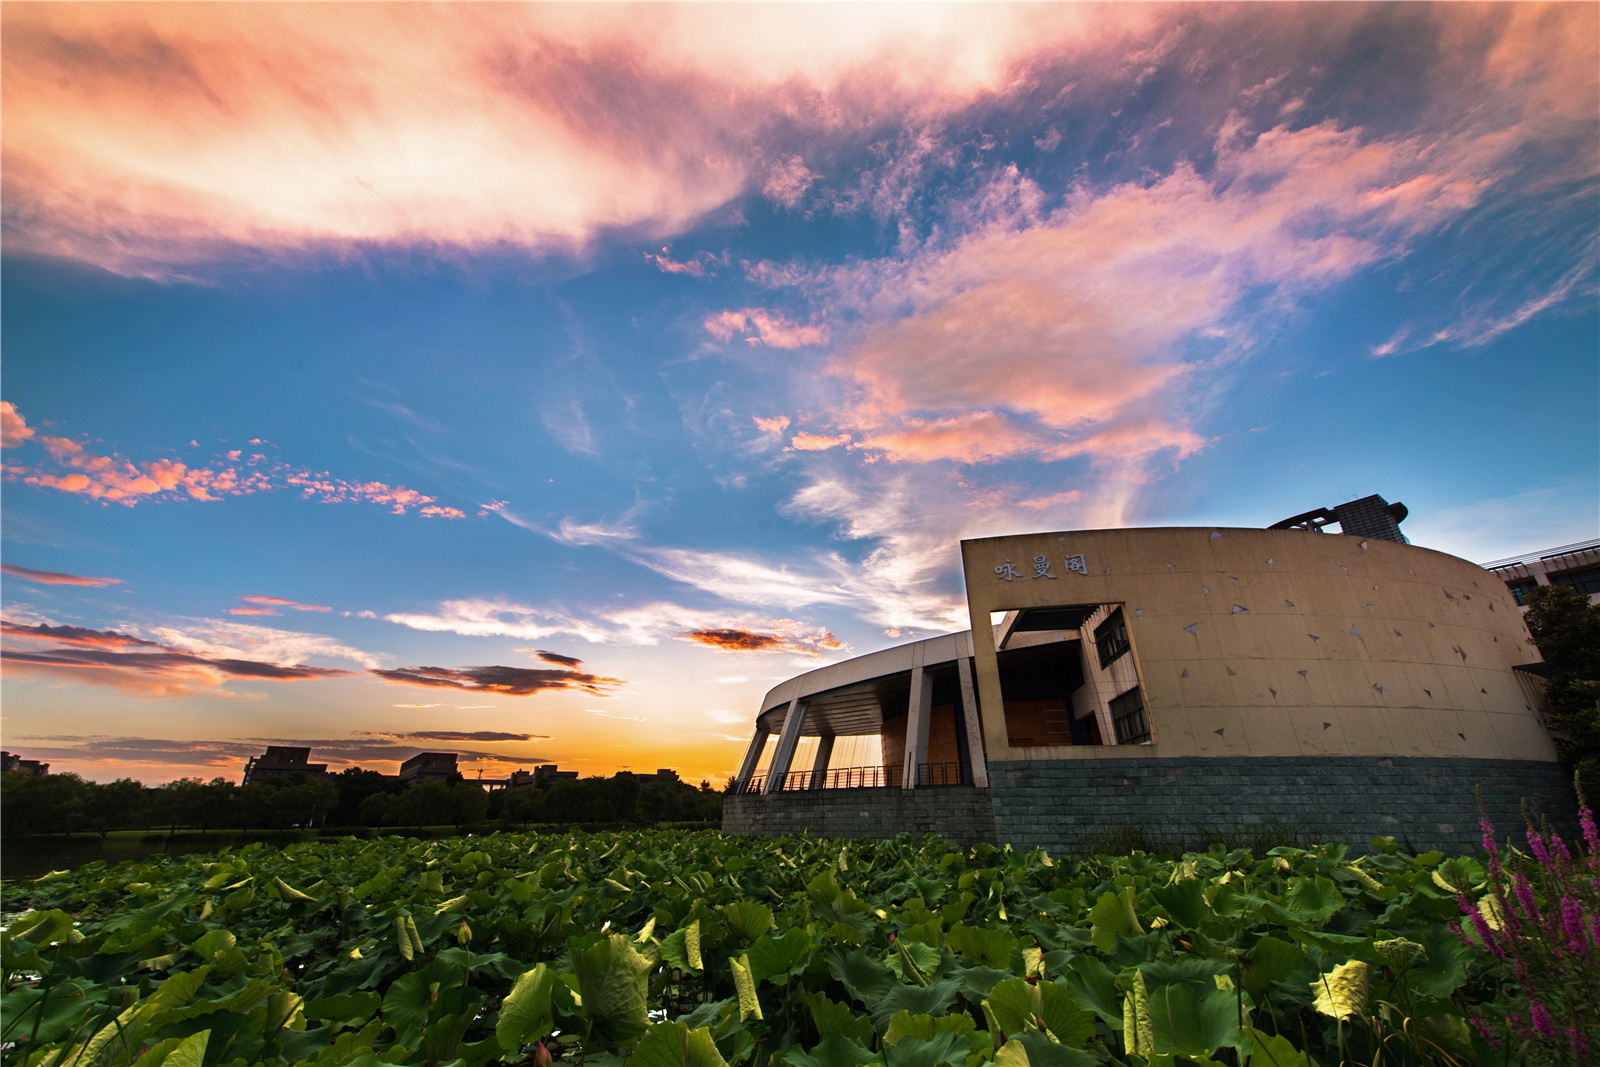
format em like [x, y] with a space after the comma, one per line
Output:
[543, 383]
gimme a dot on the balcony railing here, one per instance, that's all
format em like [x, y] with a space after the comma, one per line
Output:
[929, 775]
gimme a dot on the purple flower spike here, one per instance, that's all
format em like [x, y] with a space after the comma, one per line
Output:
[1540, 852]
[1487, 1032]
[1541, 1022]
[1591, 833]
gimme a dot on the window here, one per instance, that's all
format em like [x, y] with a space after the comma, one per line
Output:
[1519, 590]
[1586, 581]
[1127, 718]
[1111, 639]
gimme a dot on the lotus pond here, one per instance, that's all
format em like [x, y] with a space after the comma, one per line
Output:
[667, 949]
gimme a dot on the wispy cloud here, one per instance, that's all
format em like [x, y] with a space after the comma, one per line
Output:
[220, 147]
[117, 660]
[763, 326]
[268, 605]
[501, 681]
[69, 466]
[28, 574]
[456, 735]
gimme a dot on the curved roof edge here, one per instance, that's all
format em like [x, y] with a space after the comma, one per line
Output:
[926, 652]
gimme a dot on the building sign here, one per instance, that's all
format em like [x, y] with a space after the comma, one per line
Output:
[1007, 571]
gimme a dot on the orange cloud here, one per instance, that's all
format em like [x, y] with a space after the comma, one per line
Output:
[776, 424]
[736, 640]
[115, 479]
[14, 429]
[147, 137]
[28, 574]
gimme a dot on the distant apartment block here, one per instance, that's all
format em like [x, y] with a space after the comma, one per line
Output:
[1575, 566]
[429, 767]
[280, 761]
[14, 764]
[543, 773]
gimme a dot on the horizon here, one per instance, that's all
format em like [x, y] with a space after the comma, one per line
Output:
[544, 383]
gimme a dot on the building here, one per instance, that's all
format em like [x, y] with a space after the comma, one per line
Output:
[280, 761]
[429, 767]
[1575, 566]
[14, 764]
[1185, 681]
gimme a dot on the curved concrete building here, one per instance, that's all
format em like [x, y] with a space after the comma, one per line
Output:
[1189, 682]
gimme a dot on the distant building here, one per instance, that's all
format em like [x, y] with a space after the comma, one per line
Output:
[429, 767]
[280, 761]
[13, 764]
[1575, 566]
[1371, 516]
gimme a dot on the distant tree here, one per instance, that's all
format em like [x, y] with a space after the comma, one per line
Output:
[49, 804]
[355, 785]
[524, 804]
[114, 805]
[1566, 629]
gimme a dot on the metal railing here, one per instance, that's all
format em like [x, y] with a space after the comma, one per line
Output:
[929, 775]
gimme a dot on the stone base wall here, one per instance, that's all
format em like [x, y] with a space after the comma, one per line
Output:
[1071, 807]
[957, 813]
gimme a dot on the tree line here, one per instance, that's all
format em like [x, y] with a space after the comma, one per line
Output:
[66, 803]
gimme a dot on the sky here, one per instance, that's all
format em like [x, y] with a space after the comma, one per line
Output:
[543, 383]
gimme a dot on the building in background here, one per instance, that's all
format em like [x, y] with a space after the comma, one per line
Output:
[280, 761]
[1575, 566]
[429, 767]
[1185, 682]
[14, 764]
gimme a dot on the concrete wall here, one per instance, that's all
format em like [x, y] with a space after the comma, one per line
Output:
[1069, 806]
[1280, 643]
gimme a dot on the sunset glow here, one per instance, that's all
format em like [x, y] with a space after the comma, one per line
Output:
[544, 382]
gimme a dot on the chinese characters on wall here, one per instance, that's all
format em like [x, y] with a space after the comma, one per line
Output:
[1007, 571]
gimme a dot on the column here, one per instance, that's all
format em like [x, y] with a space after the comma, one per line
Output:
[819, 765]
[977, 764]
[787, 741]
[917, 715]
[752, 756]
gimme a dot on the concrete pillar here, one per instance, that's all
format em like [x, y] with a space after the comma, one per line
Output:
[819, 763]
[792, 721]
[917, 716]
[976, 763]
[752, 755]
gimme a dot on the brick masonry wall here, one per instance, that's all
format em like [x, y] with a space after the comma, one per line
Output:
[1069, 806]
[960, 813]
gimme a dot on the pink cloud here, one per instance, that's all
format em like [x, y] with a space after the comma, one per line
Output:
[116, 479]
[762, 326]
[787, 181]
[776, 424]
[561, 122]
[13, 428]
[810, 442]
[253, 611]
[28, 574]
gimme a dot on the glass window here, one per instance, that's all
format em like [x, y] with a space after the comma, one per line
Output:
[1586, 581]
[1111, 639]
[1127, 718]
[1519, 590]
